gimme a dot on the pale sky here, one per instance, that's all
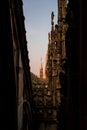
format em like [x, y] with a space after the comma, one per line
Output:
[37, 24]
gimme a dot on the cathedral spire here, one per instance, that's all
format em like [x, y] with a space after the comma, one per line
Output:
[41, 70]
[62, 4]
[52, 20]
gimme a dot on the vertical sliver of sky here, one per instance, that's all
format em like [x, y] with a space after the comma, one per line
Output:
[37, 24]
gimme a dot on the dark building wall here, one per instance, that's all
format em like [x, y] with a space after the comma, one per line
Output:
[8, 106]
[15, 85]
[83, 68]
[73, 55]
[76, 65]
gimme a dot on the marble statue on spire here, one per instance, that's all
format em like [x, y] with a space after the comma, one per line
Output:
[52, 20]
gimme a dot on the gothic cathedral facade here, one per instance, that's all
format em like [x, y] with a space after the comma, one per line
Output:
[56, 53]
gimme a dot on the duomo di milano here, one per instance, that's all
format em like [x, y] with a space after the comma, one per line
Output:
[48, 94]
[58, 102]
